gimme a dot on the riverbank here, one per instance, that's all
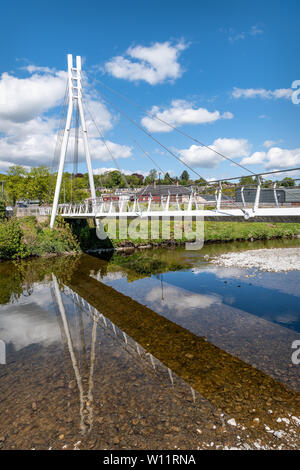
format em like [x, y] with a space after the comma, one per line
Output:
[27, 237]
[278, 260]
[214, 232]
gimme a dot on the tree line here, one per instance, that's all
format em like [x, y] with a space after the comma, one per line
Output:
[38, 183]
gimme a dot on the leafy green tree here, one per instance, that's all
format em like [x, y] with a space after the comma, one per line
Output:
[247, 180]
[2, 209]
[38, 184]
[167, 179]
[15, 184]
[288, 182]
[184, 177]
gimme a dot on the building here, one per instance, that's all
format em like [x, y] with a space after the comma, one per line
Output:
[267, 196]
[177, 193]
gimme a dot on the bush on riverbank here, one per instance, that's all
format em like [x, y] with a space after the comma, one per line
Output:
[21, 238]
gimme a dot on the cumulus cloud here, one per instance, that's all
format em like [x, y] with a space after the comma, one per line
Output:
[270, 143]
[100, 152]
[181, 112]
[198, 156]
[275, 157]
[175, 298]
[21, 99]
[29, 119]
[262, 93]
[154, 64]
[255, 159]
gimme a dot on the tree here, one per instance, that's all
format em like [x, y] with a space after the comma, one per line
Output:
[2, 209]
[153, 175]
[184, 178]
[15, 183]
[167, 179]
[38, 184]
[288, 182]
[247, 180]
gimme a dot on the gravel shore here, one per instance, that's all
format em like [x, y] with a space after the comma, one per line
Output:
[276, 260]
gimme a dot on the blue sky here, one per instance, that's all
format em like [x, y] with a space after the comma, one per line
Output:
[221, 71]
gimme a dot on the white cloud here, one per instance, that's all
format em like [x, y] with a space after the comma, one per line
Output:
[234, 35]
[270, 143]
[282, 158]
[255, 159]
[255, 31]
[28, 119]
[176, 297]
[100, 152]
[274, 158]
[198, 156]
[21, 99]
[154, 64]
[262, 93]
[181, 112]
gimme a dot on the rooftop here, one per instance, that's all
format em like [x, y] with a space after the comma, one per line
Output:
[164, 190]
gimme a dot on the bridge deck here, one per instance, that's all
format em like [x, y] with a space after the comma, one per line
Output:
[288, 214]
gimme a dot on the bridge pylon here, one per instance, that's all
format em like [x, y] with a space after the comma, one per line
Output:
[75, 94]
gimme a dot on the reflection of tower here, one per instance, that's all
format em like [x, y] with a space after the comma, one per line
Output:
[86, 399]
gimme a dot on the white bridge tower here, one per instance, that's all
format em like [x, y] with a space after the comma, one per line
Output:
[75, 93]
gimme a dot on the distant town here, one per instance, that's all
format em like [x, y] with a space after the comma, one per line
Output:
[22, 187]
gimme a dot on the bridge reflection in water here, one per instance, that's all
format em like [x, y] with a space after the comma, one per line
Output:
[169, 353]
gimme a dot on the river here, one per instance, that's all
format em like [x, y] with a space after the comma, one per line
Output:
[157, 349]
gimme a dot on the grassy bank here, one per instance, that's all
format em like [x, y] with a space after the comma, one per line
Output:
[224, 232]
[22, 238]
[214, 232]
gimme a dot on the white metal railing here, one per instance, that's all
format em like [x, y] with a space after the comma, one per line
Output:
[223, 205]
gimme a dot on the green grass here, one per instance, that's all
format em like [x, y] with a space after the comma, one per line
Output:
[223, 232]
[227, 231]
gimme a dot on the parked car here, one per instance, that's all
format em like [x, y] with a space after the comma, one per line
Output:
[9, 211]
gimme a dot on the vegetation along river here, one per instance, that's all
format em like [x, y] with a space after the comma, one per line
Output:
[156, 349]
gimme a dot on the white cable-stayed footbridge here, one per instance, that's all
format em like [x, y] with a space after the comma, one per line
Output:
[225, 207]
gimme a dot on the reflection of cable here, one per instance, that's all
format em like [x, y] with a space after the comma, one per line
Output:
[135, 353]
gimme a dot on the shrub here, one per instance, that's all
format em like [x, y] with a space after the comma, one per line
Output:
[2, 209]
[11, 240]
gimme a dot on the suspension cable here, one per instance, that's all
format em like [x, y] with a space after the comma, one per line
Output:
[152, 137]
[166, 175]
[107, 147]
[185, 134]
